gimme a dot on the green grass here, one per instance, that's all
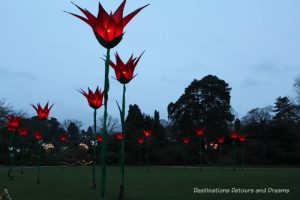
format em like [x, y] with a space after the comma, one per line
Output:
[162, 183]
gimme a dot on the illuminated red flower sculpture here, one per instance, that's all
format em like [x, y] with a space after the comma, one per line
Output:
[42, 113]
[186, 140]
[147, 132]
[13, 123]
[23, 131]
[108, 28]
[242, 138]
[37, 135]
[234, 135]
[199, 131]
[99, 138]
[119, 136]
[94, 98]
[124, 72]
[140, 140]
[220, 140]
[63, 137]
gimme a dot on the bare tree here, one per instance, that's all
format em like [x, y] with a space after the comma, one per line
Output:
[297, 89]
[66, 123]
[6, 109]
[113, 124]
[258, 115]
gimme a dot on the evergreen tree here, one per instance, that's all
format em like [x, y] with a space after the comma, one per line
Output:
[284, 110]
[205, 103]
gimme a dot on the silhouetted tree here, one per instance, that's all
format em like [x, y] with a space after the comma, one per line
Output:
[205, 103]
[113, 125]
[297, 89]
[284, 109]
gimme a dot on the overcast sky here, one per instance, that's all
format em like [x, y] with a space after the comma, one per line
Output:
[46, 54]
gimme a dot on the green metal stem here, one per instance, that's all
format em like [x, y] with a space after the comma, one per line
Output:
[39, 146]
[103, 149]
[22, 154]
[234, 155]
[242, 148]
[200, 154]
[94, 150]
[221, 160]
[140, 147]
[147, 154]
[185, 155]
[11, 157]
[122, 149]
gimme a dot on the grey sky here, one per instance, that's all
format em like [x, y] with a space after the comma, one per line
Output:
[46, 54]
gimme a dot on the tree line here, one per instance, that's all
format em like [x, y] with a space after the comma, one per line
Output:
[272, 132]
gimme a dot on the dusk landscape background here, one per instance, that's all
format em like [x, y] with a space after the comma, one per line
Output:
[46, 54]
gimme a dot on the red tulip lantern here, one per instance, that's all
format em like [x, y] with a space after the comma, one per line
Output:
[94, 98]
[242, 138]
[147, 132]
[108, 28]
[220, 140]
[234, 135]
[23, 131]
[63, 137]
[99, 138]
[186, 140]
[42, 113]
[37, 135]
[119, 136]
[199, 131]
[124, 72]
[140, 140]
[13, 123]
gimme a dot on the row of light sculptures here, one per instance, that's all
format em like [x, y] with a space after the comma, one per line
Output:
[14, 125]
[235, 136]
[108, 29]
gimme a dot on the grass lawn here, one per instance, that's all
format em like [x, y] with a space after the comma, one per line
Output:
[161, 183]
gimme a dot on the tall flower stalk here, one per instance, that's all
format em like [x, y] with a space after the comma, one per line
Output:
[242, 139]
[104, 129]
[108, 30]
[12, 125]
[200, 132]
[22, 132]
[99, 138]
[147, 134]
[234, 136]
[42, 115]
[120, 138]
[95, 100]
[63, 138]
[140, 141]
[11, 156]
[39, 149]
[185, 141]
[124, 74]
[221, 141]
[94, 149]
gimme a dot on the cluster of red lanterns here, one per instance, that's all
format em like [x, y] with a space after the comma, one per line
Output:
[235, 135]
[147, 133]
[220, 140]
[14, 123]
